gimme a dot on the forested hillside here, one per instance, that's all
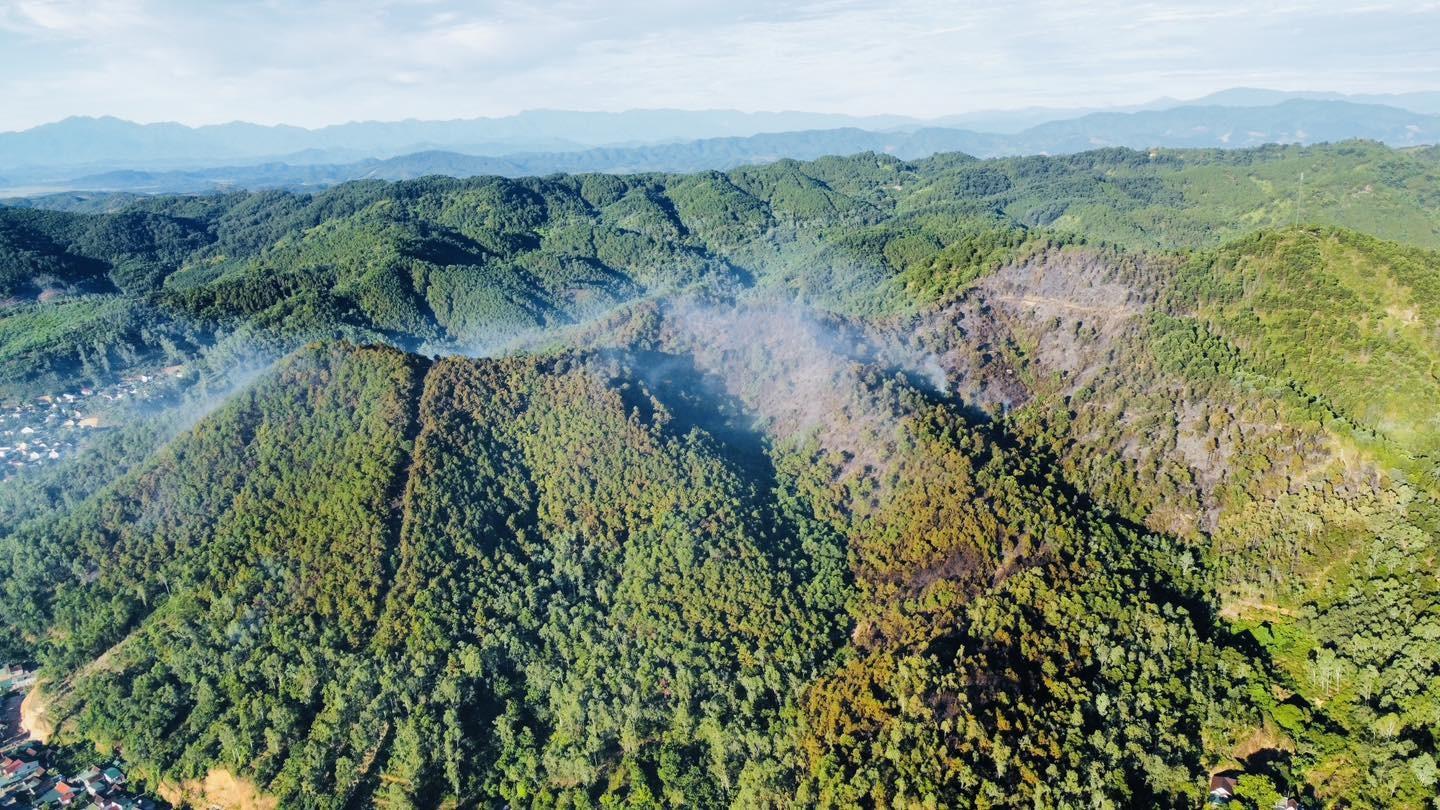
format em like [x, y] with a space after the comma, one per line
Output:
[1046, 481]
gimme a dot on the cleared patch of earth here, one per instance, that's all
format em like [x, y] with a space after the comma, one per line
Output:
[220, 788]
[35, 715]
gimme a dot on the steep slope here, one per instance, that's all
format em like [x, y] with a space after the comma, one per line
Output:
[1264, 400]
[970, 658]
[193, 611]
[600, 581]
[1349, 318]
[311, 455]
[590, 597]
[261, 596]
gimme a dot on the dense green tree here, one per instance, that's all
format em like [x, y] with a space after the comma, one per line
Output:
[1048, 481]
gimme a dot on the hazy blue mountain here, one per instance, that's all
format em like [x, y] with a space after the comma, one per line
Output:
[52, 155]
[1015, 121]
[1293, 121]
[107, 141]
[88, 202]
[113, 143]
[710, 153]
[1425, 102]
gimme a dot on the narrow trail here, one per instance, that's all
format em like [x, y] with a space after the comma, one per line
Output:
[1041, 302]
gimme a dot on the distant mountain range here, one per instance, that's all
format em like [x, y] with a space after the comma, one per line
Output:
[1013, 121]
[709, 153]
[112, 155]
[1424, 102]
[82, 141]
[1293, 121]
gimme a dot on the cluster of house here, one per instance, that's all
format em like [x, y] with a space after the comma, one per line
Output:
[40, 431]
[1223, 786]
[15, 678]
[26, 783]
[28, 778]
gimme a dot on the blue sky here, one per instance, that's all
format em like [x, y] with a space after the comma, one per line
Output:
[329, 61]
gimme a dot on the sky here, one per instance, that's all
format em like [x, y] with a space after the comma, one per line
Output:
[329, 61]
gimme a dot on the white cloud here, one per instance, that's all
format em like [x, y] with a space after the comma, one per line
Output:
[333, 60]
[68, 17]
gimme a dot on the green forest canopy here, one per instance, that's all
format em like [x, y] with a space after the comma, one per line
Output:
[1051, 481]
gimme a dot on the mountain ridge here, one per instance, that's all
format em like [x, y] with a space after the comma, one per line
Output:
[1295, 121]
[122, 145]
